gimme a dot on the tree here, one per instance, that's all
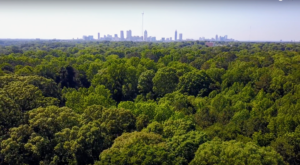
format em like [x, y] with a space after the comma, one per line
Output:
[10, 115]
[165, 81]
[26, 96]
[48, 87]
[178, 102]
[218, 152]
[186, 145]
[141, 122]
[287, 146]
[79, 145]
[116, 121]
[82, 98]
[137, 148]
[154, 127]
[119, 78]
[68, 77]
[33, 143]
[177, 127]
[145, 83]
[25, 71]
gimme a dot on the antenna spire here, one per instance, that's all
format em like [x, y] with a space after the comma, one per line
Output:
[142, 22]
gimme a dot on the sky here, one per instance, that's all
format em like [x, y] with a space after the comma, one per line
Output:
[244, 20]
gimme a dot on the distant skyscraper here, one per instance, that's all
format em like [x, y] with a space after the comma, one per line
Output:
[217, 37]
[175, 35]
[109, 36]
[122, 35]
[170, 38]
[116, 35]
[130, 34]
[145, 35]
[128, 37]
[98, 36]
[88, 37]
[180, 36]
[221, 38]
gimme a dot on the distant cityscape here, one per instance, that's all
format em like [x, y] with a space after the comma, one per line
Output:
[129, 37]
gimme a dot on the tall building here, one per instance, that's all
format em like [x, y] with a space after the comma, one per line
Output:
[145, 35]
[217, 37]
[88, 37]
[116, 35]
[175, 35]
[109, 37]
[122, 35]
[98, 36]
[130, 34]
[128, 37]
[180, 36]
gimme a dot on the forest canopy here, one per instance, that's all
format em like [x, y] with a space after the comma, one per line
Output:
[74, 102]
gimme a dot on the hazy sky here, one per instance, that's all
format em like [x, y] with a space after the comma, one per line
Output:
[67, 19]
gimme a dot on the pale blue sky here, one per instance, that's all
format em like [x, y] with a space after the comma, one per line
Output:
[239, 19]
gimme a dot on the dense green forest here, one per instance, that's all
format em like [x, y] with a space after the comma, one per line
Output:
[70, 102]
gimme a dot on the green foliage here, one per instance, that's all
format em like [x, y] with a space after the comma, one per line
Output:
[146, 108]
[177, 127]
[137, 148]
[186, 145]
[180, 102]
[80, 102]
[163, 112]
[48, 87]
[145, 83]
[218, 152]
[154, 127]
[195, 83]
[79, 145]
[32, 142]
[287, 146]
[10, 115]
[141, 122]
[81, 99]
[165, 81]
[119, 78]
[117, 121]
[26, 96]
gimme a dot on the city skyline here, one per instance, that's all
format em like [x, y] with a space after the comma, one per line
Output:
[145, 37]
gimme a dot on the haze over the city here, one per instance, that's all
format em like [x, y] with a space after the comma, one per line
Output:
[255, 20]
